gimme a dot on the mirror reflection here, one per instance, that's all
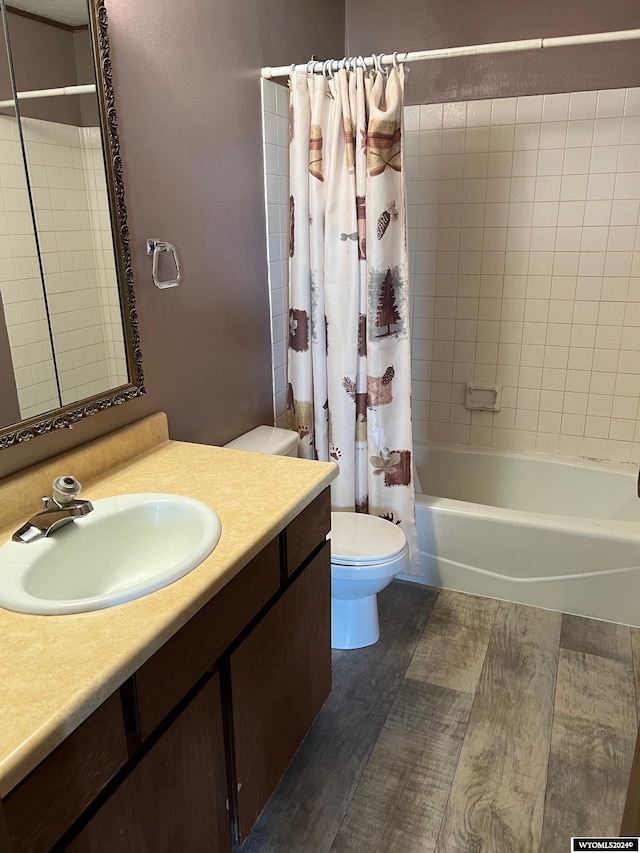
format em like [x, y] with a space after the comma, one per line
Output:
[63, 325]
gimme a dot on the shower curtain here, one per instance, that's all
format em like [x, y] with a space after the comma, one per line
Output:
[349, 381]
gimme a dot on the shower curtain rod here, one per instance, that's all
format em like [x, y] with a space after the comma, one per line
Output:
[85, 89]
[447, 52]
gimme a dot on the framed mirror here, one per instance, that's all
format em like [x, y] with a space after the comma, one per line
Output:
[69, 344]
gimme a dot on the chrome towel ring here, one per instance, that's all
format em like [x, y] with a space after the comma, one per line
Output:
[155, 248]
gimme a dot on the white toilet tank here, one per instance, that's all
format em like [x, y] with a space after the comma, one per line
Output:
[267, 439]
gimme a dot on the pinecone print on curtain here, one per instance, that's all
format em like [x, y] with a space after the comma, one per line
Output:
[380, 388]
[315, 152]
[384, 220]
[384, 146]
[386, 295]
[298, 330]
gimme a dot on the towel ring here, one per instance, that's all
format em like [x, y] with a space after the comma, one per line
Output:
[155, 248]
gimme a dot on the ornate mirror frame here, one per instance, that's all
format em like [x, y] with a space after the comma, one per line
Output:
[66, 416]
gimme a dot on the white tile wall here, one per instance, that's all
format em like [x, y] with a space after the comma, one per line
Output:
[67, 180]
[68, 184]
[524, 245]
[275, 128]
[104, 259]
[20, 283]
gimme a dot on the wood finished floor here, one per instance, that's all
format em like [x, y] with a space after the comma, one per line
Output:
[472, 726]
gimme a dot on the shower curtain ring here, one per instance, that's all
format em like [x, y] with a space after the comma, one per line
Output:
[394, 59]
[311, 63]
[326, 69]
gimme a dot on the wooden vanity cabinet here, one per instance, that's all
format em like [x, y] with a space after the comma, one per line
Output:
[45, 804]
[186, 754]
[282, 668]
[172, 671]
[174, 799]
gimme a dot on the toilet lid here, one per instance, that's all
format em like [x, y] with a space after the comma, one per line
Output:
[359, 538]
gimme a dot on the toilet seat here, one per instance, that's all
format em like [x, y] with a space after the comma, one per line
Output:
[360, 541]
[369, 571]
[366, 554]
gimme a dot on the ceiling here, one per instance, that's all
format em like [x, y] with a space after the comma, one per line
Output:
[74, 13]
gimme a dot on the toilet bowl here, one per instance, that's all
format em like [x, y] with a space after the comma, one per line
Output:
[366, 553]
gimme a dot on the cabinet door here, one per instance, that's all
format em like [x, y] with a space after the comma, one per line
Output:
[280, 678]
[55, 794]
[174, 799]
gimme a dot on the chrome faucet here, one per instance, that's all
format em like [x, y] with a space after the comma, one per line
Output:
[57, 511]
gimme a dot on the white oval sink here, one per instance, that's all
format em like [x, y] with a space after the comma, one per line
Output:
[127, 547]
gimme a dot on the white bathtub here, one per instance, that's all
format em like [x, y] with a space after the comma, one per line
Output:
[557, 533]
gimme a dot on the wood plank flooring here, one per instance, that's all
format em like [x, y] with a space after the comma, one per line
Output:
[591, 748]
[306, 810]
[497, 795]
[451, 651]
[472, 726]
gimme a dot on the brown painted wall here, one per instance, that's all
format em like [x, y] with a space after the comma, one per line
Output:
[85, 73]
[188, 93]
[376, 26]
[43, 58]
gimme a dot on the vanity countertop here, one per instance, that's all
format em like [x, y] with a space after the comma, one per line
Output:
[56, 670]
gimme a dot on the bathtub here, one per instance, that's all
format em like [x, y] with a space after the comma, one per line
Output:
[558, 533]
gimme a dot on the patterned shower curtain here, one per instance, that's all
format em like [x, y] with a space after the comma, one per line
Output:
[349, 381]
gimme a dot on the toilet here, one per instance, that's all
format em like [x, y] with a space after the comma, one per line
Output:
[266, 439]
[367, 552]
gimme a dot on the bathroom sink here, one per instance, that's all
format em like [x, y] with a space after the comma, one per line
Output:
[127, 547]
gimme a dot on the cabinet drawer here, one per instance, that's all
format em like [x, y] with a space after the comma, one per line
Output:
[308, 530]
[174, 798]
[45, 804]
[167, 676]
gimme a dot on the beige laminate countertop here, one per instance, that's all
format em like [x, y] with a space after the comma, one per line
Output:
[56, 670]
